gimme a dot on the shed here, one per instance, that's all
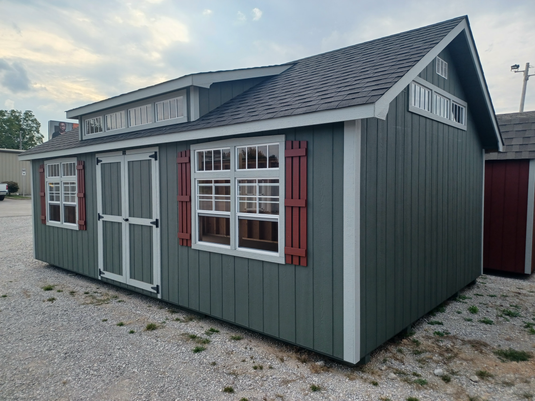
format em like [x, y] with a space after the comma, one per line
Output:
[12, 169]
[509, 197]
[328, 202]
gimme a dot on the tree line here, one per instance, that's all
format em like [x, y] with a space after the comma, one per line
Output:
[19, 130]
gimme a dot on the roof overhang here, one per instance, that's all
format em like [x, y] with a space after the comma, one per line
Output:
[202, 80]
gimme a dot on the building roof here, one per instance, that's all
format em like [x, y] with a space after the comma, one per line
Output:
[354, 82]
[518, 132]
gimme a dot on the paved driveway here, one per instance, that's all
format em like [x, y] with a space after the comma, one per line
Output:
[15, 207]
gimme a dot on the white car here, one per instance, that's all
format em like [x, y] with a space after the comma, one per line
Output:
[3, 191]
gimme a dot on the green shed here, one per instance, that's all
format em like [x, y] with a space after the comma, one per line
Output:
[328, 202]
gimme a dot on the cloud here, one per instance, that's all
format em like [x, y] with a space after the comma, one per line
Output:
[207, 12]
[14, 77]
[241, 17]
[257, 14]
[9, 104]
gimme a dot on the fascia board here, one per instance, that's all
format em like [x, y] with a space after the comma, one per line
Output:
[381, 106]
[203, 80]
[303, 120]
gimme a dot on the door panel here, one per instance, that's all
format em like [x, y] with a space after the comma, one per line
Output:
[129, 242]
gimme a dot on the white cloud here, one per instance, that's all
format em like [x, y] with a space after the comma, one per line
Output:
[10, 104]
[241, 17]
[207, 12]
[257, 14]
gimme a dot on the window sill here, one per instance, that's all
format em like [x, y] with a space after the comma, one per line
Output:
[240, 252]
[62, 225]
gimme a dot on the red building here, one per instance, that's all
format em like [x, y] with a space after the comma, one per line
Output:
[509, 197]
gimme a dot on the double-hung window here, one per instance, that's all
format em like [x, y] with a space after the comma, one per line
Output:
[238, 193]
[61, 192]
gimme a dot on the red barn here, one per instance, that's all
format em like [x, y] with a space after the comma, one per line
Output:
[509, 197]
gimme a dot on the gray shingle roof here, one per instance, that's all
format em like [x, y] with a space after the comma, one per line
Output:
[518, 132]
[351, 76]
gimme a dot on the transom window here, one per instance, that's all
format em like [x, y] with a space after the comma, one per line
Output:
[170, 109]
[61, 193]
[94, 125]
[441, 67]
[238, 190]
[421, 97]
[140, 115]
[116, 120]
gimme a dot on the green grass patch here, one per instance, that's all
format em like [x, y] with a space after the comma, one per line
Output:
[228, 389]
[483, 374]
[486, 320]
[375, 383]
[446, 378]
[468, 319]
[513, 355]
[473, 309]
[151, 327]
[492, 295]
[258, 367]
[412, 399]
[51, 299]
[421, 382]
[463, 297]
[120, 324]
[131, 332]
[211, 331]
[441, 333]
[198, 348]
[315, 388]
[511, 313]
[48, 287]
[4, 296]
[236, 338]
[435, 323]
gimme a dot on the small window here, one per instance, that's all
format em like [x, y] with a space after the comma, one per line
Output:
[61, 193]
[458, 113]
[441, 67]
[213, 159]
[421, 97]
[93, 125]
[140, 115]
[170, 109]
[441, 106]
[116, 120]
[258, 157]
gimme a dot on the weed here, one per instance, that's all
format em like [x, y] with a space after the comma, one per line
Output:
[188, 318]
[120, 324]
[531, 331]
[479, 295]
[492, 295]
[468, 319]
[513, 355]
[441, 333]
[211, 331]
[236, 338]
[527, 396]
[399, 350]
[244, 399]
[458, 312]
[415, 342]
[446, 378]
[421, 382]
[172, 311]
[473, 309]
[258, 367]
[104, 320]
[435, 323]
[4, 296]
[86, 292]
[315, 388]
[510, 313]
[375, 383]
[486, 320]
[463, 297]
[213, 363]
[72, 292]
[198, 348]
[514, 306]
[228, 390]
[120, 300]
[151, 327]
[483, 374]
[51, 299]
[416, 374]
[131, 332]
[418, 352]
[48, 287]
[59, 290]
[504, 296]
[412, 399]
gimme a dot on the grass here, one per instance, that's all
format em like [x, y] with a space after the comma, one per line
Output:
[59, 290]
[441, 333]
[463, 297]
[473, 309]
[131, 332]
[258, 367]
[492, 295]
[510, 313]
[228, 389]
[421, 382]
[446, 378]
[435, 323]
[486, 320]
[468, 319]
[483, 374]
[200, 348]
[412, 399]
[51, 299]
[236, 338]
[211, 331]
[120, 324]
[315, 388]
[72, 292]
[48, 287]
[4, 296]
[151, 327]
[513, 355]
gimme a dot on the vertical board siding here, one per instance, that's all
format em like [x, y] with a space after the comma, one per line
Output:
[298, 304]
[74, 250]
[506, 198]
[11, 170]
[421, 218]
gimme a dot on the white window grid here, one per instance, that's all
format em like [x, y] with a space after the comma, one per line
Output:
[441, 106]
[170, 109]
[441, 67]
[421, 96]
[212, 159]
[252, 159]
[140, 115]
[94, 125]
[61, 188]
[458, 113]
[116, 120]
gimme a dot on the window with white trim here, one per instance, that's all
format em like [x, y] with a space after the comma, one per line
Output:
[441, 67]
[430, 101]
[61, 193]
[170, 109]
[94, 125]
[140, 115]
[116, 120]
[237, 190]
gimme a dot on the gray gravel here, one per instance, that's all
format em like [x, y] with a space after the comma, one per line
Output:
[87, 340]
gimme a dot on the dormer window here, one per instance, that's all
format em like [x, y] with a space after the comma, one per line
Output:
[140, 115]
[116, 120]
[94, 125]
[170, 109]
[441, 67]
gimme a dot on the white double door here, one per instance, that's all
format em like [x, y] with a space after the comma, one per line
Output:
[128, 218]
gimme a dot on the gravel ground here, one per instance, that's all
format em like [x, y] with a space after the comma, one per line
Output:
[83, 339]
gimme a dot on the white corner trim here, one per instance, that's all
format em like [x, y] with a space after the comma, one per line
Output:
[351, 264]
[529, 223]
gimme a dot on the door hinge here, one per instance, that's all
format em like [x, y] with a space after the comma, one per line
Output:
[155, 223]
[154, 156]
[99, 160]
[156, 288]
[101, 273]
[99, 216]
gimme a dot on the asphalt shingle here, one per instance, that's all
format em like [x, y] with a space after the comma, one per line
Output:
[518, 132]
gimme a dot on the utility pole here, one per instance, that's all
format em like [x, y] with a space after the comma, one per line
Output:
[524, 83]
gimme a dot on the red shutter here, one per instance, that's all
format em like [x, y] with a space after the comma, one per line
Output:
[42, 192]
[296, 202]
[80, 170]
[184, 198]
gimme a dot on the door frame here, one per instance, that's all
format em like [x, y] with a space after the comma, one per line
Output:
[124, 157]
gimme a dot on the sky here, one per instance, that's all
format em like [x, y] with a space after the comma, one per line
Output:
[62, 54]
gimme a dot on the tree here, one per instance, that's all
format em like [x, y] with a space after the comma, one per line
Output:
[19, 130]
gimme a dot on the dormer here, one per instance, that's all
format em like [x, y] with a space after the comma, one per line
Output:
[173, 102]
